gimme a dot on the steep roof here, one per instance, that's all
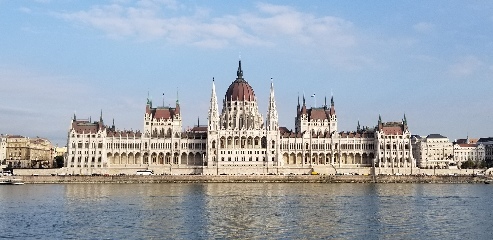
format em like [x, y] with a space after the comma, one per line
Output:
[84, 126]
[162, 112]
[435, 135]
[318, 113]
[487, 139]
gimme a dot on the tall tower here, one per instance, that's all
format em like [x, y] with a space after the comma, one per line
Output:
[213, 115]
[272, 131]
[212, 128]
[272, 117]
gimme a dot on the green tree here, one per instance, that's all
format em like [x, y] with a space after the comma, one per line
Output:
[482, 164]
[468, 164]
[59, 161]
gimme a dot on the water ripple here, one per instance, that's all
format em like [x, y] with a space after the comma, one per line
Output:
[247, 211]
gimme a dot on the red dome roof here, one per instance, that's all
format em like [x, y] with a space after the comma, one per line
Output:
[240, 90]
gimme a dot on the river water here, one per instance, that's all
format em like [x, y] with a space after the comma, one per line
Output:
[247, 211]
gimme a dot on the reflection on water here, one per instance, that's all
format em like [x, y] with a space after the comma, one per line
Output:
[247, 210]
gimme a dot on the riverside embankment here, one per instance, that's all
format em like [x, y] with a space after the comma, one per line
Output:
[252, 178]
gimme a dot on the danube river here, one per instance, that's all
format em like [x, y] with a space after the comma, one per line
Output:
[247, 211]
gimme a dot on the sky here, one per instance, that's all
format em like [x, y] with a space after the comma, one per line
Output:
[429, 60]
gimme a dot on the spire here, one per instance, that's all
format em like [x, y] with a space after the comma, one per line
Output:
[272, 116]
[177, 97]
[325, 102]
[239, 73]
[198, 121]
[213, 109]
[75, 118]
[298, 106]
[332, 107]
[113, 126]
[163, 100]
[405, 120]
[101, 116]
[358, 128]
[303, 108]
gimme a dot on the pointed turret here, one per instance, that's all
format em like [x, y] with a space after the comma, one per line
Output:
[303, 107]
[272, 116]
[239, 73]
[177, 105]
[213, 110]
[332, 106]
[149, 101]
[358, 128]
[298, 107]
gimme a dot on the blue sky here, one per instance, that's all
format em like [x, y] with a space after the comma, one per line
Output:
[430, 60]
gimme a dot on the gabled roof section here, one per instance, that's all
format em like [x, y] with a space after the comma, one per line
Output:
[84, 126]
[162, 112]
[392, 128]
[318, 114]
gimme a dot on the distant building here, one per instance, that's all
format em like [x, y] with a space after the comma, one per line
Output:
[3, 152]
[59, 151]
[465, 150]
[488, 147]
[237, 140]
[436, 151]
[23, 152]
[433, 151]
[3, 149]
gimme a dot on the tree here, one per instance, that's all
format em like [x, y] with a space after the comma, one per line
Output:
[468, 164]
[59, 161]
[482, 164]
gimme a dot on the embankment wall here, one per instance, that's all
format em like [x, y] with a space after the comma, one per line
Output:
[252, 178]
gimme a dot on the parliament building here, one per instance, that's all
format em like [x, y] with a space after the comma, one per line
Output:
[238, 140]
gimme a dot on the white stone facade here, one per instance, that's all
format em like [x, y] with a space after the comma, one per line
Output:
[465, 152]
[488, 147]
[433, 151]
[237, 140]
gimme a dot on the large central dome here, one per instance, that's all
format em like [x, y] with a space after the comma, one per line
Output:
[240, 90]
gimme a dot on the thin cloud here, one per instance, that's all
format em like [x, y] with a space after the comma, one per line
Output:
[25, 10]
[424, 27]
[263, 27]
[465, 67]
